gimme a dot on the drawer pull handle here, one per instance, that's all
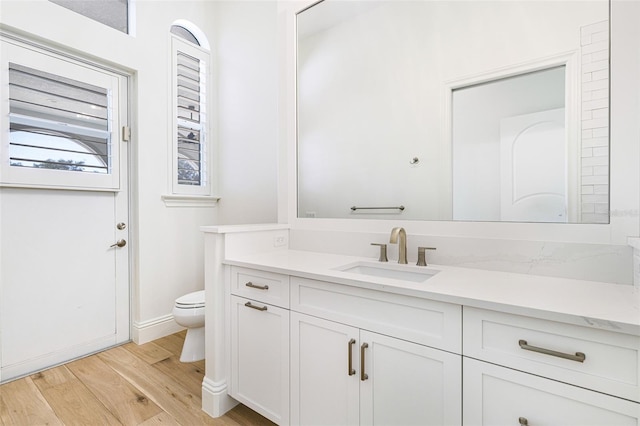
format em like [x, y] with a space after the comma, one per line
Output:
[579, 356]
[523, 421]
[259, 287]
[352, 371]
[259, 308]
[363, 376]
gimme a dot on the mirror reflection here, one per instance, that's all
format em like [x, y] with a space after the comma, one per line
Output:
[454, 110]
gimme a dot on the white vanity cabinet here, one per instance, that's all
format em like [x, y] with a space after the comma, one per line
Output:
[541, 372]
[259, 340]
[312, 352]
[350, 373]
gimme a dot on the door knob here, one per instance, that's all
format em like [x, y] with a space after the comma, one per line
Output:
[121, 226]
[119, 243]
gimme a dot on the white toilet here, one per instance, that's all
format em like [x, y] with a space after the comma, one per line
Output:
[188, 311]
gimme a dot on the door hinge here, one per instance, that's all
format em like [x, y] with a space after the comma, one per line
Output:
[126, 133]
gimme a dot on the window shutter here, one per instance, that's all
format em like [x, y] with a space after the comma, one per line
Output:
[57, 123]
[189, 112]
[191, 162]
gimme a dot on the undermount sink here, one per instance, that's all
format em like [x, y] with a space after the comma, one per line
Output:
[416, 274]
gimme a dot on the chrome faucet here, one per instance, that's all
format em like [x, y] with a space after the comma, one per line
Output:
[402, 243]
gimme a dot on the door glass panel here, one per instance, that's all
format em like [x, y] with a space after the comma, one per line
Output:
[58, 123]
[114, 13]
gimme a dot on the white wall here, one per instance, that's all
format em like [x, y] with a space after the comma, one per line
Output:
[247, 115]
[166, 242]
[169, 240]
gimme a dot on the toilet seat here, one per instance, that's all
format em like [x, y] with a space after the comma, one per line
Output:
[191, 300]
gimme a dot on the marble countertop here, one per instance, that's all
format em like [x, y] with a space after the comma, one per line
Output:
[612, 307]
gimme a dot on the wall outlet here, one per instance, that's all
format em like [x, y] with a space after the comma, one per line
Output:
[279, 241]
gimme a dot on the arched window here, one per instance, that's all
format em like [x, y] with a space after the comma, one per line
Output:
[191, 154]
[184, 33]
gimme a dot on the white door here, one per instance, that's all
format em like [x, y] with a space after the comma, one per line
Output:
[408, 384]
[64, 260]
[325, 372]
[533, 169]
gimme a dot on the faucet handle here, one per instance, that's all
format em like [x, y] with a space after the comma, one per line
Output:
[421, 255]
[383, 252]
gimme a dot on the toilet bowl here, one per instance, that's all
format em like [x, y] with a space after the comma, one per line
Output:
[188, 312]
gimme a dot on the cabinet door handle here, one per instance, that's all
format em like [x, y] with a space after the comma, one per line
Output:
[579, 356]
[522, 421]
[259, 287]
[352, 371]
[363, 376]
[259, 308]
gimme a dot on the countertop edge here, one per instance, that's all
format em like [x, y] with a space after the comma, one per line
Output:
[514, 306]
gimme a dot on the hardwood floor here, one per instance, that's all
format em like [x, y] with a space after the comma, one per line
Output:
[129, 385]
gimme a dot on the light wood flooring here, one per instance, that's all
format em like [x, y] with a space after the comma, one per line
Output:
[128, 385]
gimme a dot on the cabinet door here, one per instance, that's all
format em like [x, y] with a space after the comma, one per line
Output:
[408, 384]
[260, 358]
[324, 391]
[495, 395]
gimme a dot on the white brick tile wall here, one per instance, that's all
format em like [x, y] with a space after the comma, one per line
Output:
[595, 104]
[587, 171]
[595, 180]
[595, 161]
[594, 138]
[595, 198]
[602, 26]
[595, 66]
[588, 208]
[601, 170]
[601, 189]
[595, 218]
[600, 113]
[600, 75]
[600, 56]
[592, 142]
[602, 132]
[595, 46]
[600, 151]
[601, 208]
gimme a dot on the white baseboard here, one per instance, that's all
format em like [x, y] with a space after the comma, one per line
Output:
[146, 331]
[215, 400]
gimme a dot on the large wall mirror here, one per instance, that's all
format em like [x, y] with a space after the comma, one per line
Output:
[454, 110]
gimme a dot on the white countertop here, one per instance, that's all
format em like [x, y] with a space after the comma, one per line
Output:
[612, 307]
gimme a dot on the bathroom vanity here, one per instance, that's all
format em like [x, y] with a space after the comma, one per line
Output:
[304, 331]
[315, 338]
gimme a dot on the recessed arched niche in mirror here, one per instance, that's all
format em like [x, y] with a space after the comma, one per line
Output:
[454, 110]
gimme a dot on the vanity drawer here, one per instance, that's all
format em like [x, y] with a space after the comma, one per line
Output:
[494, 395]
[596, 359]
[262, 286]
[427, 322]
